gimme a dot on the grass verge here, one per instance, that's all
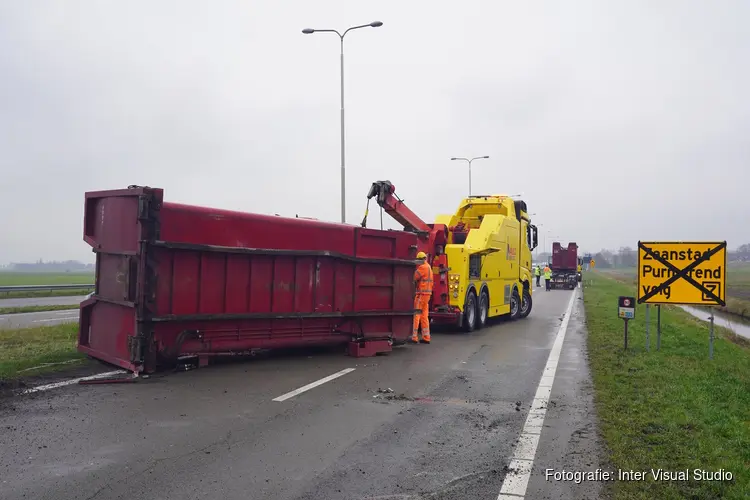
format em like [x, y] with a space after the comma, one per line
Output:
[45, 293]
[672, 409]
[12, 278]
[26, 348]
[33, 309]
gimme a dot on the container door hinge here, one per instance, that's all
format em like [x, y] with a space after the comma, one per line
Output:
[136, 349]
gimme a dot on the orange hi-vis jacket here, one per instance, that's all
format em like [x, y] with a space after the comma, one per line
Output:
[423, 277]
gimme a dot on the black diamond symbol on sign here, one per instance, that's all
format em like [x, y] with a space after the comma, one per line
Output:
[713, 287]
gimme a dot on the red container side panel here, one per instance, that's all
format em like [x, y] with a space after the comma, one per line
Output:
[175, 279]
[190, 283]
[210, 226]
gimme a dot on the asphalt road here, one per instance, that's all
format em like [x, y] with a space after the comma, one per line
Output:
[41, 301]
[457, 411]
[28, 320]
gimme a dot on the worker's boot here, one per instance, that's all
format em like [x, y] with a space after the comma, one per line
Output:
[425, 341]
[425, 338]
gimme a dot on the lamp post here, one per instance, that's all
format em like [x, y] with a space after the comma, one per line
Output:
[469, 162]
[309, 31]
[550, 249]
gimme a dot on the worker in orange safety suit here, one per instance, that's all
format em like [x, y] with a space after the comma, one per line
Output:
[423, 280]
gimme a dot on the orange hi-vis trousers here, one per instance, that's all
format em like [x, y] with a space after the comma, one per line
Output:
[422, 304]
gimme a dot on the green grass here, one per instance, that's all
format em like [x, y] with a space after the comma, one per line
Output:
[9, 278]
[674, 408]
[26, 348]
[32, 309]
[45, 293]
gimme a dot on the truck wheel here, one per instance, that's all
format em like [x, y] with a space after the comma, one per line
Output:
[515, 305]
[470, 312]
[483, 309]
[526, 303]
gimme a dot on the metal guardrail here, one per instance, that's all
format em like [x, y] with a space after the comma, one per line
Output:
[36, 288]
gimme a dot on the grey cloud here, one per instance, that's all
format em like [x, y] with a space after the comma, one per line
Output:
[617, 120]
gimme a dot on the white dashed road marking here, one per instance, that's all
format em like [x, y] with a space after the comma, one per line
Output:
[312, 385]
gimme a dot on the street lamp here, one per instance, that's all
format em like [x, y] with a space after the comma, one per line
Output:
[469, 161]
[553, 239]
[309, 31]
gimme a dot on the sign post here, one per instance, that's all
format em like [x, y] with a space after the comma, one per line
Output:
[711, 336]
[658, 326]
[626, 311]
[648, 327]
[684, 273]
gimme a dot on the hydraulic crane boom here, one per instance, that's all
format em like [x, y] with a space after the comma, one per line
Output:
[396, 208]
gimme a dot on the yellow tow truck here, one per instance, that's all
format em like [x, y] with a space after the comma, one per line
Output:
[481, 256]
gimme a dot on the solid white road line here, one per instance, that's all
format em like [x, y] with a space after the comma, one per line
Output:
[54, 319]
[515, 482]
[312, 385]
[47, 387]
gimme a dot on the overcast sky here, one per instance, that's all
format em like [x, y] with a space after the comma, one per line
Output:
[618, 121]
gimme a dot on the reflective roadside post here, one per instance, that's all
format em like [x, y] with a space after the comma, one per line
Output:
[626, 311]
[309, 31]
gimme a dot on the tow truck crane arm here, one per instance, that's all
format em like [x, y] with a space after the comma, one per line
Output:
[395, 207]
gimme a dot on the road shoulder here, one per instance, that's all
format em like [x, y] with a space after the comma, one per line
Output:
[570, 441]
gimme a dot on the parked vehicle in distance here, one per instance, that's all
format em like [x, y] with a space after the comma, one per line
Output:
[564, 266]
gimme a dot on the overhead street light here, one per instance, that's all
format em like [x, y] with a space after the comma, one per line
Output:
[469, 161]
[309, 31]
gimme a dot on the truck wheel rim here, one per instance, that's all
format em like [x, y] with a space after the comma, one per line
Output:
[470, 312]
[514, 305]
[483, 308]
[524, 305]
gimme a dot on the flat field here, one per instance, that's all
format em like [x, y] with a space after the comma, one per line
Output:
[9, 278]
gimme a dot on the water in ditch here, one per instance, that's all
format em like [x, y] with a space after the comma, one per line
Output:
[737, 325]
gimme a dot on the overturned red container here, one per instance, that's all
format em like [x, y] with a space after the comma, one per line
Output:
[177, 280]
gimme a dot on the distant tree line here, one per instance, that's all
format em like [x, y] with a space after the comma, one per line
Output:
[65, 266]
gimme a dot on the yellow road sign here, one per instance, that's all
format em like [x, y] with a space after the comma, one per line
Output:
[682, 272]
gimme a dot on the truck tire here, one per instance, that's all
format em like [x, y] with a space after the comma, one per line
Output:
[515, 305]
[483, 309]
[470, 312]
[526, 303]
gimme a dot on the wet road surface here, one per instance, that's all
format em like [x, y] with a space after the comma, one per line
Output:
[30, 320]
[447, 431]
[41, 301]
